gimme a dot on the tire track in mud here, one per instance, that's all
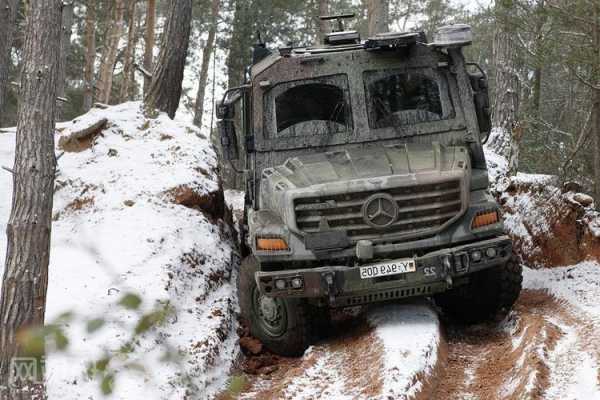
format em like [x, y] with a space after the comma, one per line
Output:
[545, 349]
[344, 366]
[534, 354]
[387, 352]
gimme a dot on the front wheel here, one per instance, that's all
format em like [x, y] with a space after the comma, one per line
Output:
[281, 324]
[489, 293]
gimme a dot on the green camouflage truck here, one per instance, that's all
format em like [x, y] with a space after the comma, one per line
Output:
[366, 182]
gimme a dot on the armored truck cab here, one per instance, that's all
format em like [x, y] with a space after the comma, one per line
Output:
[366, 182]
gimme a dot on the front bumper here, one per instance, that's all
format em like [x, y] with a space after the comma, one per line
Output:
[342, 286]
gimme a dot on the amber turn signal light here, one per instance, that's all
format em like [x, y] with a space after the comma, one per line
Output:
[271, 244]
[484, 219]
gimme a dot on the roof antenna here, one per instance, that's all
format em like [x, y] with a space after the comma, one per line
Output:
[339, 18]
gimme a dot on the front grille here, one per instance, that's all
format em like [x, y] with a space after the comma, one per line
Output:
[423, 209]
[392, 294]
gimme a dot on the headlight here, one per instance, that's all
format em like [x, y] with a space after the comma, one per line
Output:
[485, 218]
[271, 244]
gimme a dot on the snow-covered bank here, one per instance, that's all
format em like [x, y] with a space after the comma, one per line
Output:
[136, 212]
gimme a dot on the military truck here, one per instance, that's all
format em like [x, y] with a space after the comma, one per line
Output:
[366, 182]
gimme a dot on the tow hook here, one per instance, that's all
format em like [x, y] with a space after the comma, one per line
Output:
[330, 287]
[447, 263]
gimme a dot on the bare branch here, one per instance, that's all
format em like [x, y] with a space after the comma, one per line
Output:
[7, 169]
[580, 141]
[143, 71]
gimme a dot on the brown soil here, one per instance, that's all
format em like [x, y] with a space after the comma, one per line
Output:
[567, 215]
[356, 356]
[508, 360]
[487, 362]
[212, 204]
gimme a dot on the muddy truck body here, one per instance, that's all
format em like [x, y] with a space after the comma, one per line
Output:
[366, 182]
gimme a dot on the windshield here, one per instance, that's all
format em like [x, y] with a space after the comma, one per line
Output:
[399, 98]
[317, 106]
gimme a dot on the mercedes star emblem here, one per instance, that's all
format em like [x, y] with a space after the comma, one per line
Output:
[380, 210]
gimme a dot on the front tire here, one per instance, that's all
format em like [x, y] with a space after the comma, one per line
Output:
[489, 294]
[281, 324]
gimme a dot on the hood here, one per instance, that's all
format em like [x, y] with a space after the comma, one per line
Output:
[352, 164]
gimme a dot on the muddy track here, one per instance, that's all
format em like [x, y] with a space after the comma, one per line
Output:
[533, 354]
[538, 352]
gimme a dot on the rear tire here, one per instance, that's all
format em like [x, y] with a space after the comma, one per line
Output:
[281, 324]
[489, 294]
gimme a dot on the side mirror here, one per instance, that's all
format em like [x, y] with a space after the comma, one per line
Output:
[481, 99]
[228, 139]
[225, 113]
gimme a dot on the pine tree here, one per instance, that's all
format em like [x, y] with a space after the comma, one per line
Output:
[110, 51]
[25, 281]
[206, 54]
[8, 17]
[149, 40]
[90, 55]
[165, 90]
[505, 138]
[378, 14]
[65, 46]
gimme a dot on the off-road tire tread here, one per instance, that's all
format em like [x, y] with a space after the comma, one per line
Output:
[489, 294]
[299, 334]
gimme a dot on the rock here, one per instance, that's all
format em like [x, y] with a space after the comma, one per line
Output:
[129, 203]
[583, 199]
[251, 345]
[268, 370]
[112, 152]
[571, 187]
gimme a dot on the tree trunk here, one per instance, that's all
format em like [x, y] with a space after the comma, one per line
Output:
[323, 25]
[378, 14]
[23, 297]
[149, 40]
[595, 126]
[90, 55]
[210, 43]
[165, 90]
[8, 18]
[505, 130]
[65, 47]
[110, 52]
[128, 58]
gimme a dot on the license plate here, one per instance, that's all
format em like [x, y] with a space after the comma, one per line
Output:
[388, 268]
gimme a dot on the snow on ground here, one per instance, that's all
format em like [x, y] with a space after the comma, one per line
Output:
[390, 354]
[410, 335]
[118, 230]
[574, 362]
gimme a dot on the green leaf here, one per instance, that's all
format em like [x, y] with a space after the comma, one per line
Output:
[33, 342]
[135, 367]
[60, 339]
[102, 364]
[107, 384]
[127, 348]
[64, 318]
[131, 301]
[94, 324]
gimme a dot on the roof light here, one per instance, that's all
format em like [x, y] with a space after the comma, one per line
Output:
[453, 36]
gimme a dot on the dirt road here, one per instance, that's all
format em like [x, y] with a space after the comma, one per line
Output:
[547, 348]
